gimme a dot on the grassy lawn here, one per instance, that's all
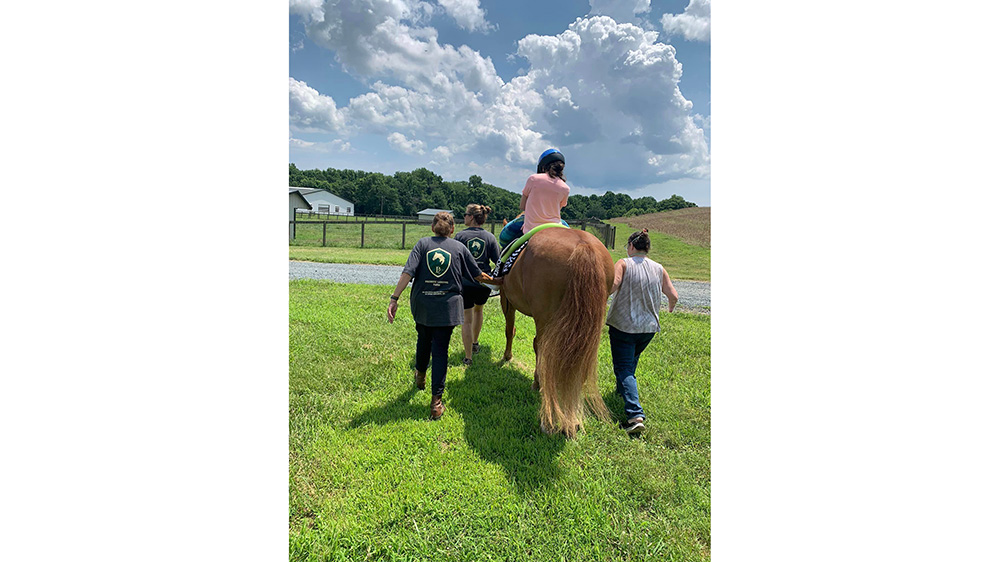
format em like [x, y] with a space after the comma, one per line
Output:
[382, 247]
[371, 478]
[377, 235]
[682, 261]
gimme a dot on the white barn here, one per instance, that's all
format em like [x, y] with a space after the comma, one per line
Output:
[428, 214]
[323, 202]
[295, 201]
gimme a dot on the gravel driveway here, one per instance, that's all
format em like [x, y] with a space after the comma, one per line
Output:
[695, 296]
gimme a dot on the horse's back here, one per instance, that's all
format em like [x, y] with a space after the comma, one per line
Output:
[542, 275]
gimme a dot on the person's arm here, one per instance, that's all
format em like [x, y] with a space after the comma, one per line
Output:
[524, 201]
[404, 280]
[619, 274]
[480, 275]
[669, 290]
[484, 277]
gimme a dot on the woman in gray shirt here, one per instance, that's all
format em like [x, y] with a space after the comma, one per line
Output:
[485, 249]
[634, 318]
[438, 265]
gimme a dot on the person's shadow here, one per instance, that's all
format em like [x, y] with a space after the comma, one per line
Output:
[500, 412]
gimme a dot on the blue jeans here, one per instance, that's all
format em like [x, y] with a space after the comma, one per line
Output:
[625, 350]
[514, 230]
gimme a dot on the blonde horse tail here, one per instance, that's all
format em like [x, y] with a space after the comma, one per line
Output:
[567, 350]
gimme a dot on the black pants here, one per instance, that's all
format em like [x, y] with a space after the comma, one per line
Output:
[432, 343]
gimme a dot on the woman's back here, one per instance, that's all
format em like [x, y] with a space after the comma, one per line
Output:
[636, 307]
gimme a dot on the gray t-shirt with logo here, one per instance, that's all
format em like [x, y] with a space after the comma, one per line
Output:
[482, 244]
[438, 266]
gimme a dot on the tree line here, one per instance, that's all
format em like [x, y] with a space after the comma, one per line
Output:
[406, 193]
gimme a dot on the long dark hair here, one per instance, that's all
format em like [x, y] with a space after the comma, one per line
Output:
[555, 170]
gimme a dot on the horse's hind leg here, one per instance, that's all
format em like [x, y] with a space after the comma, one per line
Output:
[508, 314]
[534, 344]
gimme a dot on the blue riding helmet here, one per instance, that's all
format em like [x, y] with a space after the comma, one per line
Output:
[549, 156]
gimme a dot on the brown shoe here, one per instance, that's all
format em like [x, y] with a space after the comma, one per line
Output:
[419, 378]
[437, 408]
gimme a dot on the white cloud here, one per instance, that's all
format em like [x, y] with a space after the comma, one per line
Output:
[308, 110]
[606, 93]
[372, 39]
[467, 14]
[336, 145]
[612, 92]
[401, 143]
[620, 10]
[694, 24]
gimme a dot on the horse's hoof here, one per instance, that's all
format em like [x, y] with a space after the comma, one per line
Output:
[534, 386]
[508, 356]
[546, 430]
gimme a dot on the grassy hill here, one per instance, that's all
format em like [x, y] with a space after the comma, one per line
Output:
[681, 240]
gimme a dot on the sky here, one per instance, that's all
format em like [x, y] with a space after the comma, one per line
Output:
[463, 87]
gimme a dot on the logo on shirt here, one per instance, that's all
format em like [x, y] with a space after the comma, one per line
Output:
[476, 246]
[438, 261]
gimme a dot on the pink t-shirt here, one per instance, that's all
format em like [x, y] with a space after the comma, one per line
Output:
[546, 195]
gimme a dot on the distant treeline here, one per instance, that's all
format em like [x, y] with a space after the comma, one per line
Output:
[405, 193]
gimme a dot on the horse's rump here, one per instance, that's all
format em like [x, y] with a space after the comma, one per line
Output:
[563, 280]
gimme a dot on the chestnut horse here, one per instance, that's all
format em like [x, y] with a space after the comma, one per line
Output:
[562, 279]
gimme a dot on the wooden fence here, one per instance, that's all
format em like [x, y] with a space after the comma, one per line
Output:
[604, 232]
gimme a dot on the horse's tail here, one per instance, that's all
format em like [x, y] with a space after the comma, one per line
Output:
[567, 351]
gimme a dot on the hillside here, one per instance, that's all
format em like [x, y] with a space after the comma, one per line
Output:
[692, 226]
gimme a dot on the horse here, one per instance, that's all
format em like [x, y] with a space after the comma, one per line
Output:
[562, 279]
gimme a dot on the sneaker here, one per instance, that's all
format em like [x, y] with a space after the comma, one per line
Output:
[467, 362]
[419, 378]
[475, 348]
[635, 426]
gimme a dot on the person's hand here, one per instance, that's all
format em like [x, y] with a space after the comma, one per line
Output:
[391, 312]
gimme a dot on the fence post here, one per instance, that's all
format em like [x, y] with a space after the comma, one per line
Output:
[324, 234]
[362, 235]
[404, 236]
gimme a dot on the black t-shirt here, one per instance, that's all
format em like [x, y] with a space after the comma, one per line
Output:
[439, 266]
[482, 244]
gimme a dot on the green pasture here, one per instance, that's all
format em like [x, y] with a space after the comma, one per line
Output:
[681, 260]
[377, 235]
[372, 478]
[383, 241]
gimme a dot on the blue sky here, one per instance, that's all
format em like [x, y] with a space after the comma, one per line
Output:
[466, 87]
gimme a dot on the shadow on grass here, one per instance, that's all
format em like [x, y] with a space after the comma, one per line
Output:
[501, 420]
[402, 408]
[500, 412]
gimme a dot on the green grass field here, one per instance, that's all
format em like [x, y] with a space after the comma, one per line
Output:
[371, 478]
[382, 247]
[377, 235]
[681, 260]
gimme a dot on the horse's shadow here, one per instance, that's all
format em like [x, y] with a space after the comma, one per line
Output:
[501, 421]
[500, 412]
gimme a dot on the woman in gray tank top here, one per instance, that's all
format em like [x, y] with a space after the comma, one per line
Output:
[634, 318]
